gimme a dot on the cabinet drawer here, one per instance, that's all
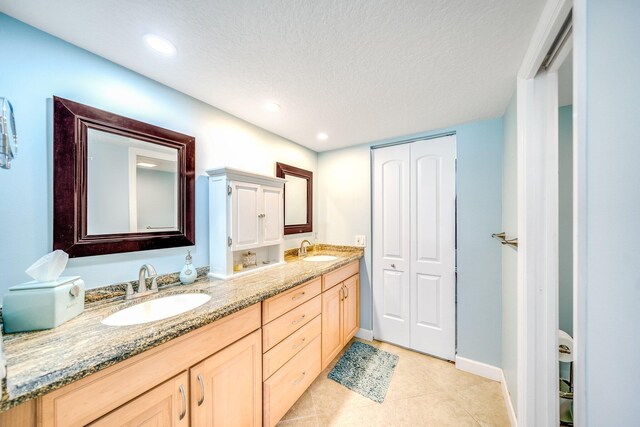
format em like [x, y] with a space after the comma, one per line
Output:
[278, 305]
[290, 346]
[290, 322]
[285, 386]
[331, 279]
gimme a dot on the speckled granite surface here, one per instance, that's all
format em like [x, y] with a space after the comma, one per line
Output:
[39, 362]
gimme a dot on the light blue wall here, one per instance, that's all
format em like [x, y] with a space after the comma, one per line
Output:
[345, 181]
[42, 66]
[565, 219]
[509, 254]
[611, 289]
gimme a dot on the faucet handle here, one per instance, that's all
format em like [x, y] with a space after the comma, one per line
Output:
[154, 283]
[128, 293]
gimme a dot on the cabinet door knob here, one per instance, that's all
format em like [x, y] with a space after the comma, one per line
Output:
[201, 381]
[393, 266]
[184, 403]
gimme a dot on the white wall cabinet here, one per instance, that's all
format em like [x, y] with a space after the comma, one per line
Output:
[246, 213]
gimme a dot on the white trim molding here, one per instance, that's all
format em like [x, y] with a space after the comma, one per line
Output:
[538, 250]
[365, 334]
[513, 420]
[537, 111]
[552, 18]
[478, 368]
[580, 196]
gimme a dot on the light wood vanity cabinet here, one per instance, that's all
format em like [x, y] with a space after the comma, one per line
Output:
[246, 369]
[226, 388]
[291, 342]
[340, 310]
[303, 330]
[165, 405]
[148, 387]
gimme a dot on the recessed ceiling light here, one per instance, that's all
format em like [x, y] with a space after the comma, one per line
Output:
[159, 44]
[272, 106]
[322, 136]
[146, 165]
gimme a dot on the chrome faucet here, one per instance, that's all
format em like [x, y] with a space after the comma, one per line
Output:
[303, 249]
[142, 283]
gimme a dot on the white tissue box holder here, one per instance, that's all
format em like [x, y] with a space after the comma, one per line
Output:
[35, 305]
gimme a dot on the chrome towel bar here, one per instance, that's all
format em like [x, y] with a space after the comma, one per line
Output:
[502, 237]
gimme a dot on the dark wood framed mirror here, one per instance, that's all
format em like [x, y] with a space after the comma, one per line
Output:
[298, 198]
[119, 185]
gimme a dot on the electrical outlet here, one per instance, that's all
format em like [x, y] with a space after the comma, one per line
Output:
[361, 240]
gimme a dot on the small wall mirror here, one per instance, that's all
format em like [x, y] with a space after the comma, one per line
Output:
[298, 198]
[134, 183]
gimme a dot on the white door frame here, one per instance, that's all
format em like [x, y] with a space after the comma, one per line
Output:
[537, 117]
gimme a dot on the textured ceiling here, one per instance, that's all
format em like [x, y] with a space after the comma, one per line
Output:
[359, 70]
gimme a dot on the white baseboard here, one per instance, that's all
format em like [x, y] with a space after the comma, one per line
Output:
[478, 368]
[365, 334]
[507, 401]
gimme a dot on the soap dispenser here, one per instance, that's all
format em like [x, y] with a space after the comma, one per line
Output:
[188, 274]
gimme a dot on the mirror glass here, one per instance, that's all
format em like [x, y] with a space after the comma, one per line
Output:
[295, 202]
[132, 185]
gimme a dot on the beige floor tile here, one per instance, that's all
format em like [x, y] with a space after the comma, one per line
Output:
[485, 403]
[299, 422]
[329, 397]
[424, 391]
[438, 410]
[375, 415]
[302, 408]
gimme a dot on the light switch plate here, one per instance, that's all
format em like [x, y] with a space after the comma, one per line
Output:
[361, 240]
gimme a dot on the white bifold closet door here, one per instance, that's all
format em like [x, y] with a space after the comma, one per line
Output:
[414, 283]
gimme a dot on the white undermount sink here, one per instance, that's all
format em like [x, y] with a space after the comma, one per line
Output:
[320, 258]
[157, 309]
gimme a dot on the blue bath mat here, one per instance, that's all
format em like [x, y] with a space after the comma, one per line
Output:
[365, 370]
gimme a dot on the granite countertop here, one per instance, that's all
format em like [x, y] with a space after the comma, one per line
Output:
[40, 362]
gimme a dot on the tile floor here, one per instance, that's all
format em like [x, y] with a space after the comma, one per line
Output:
[424, 391]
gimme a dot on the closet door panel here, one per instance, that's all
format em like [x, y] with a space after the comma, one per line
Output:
[391, 263]
[433, 213]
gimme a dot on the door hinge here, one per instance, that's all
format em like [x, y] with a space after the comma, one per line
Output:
[229, 241]
[229, 190]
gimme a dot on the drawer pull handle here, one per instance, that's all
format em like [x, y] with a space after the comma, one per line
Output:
[299, 344]
[346, 290]
[299, 319]
[297, 381]
[201, 381]
[300, 295]
[341, 293]
[184, 403]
